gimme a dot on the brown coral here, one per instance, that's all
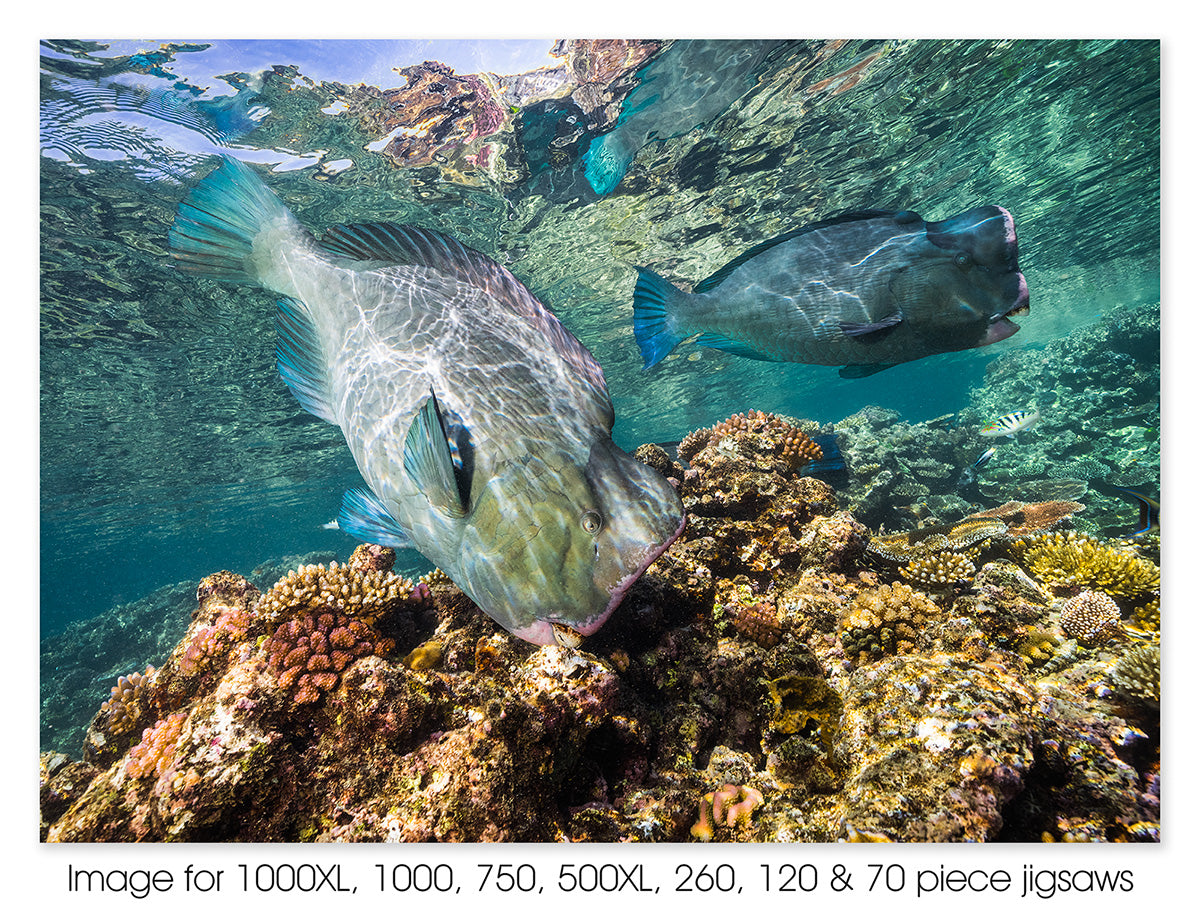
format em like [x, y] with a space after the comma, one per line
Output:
[309, 651]
[885, 620]
[758, 622]
[1028, 519]
[1091, 618]
[921, 543]
[366, 594]
[123, 707]
[778, 437]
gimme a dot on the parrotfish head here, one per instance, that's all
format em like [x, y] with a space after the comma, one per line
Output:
[552, 541]
[969, 284]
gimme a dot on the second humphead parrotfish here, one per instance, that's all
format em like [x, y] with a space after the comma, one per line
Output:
[868, 290]
[480, 424]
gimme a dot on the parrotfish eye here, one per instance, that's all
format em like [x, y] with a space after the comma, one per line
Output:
[963, 260]
[591, 521]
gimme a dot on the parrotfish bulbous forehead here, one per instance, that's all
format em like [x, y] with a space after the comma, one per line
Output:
[564, 541]
[987, 237]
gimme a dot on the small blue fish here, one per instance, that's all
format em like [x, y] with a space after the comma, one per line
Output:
[984, 457]
[1147, 513]
[1011, 424]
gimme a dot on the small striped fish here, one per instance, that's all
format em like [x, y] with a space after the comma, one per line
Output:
[1011, 424]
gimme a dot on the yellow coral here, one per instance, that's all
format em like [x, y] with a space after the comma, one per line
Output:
[885, 620]
[1138, 673]
[800, 699]
[939, 570]
[362, 594]
[1072, 559]
[729, 805]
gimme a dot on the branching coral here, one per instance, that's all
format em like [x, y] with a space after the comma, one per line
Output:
[309, 651]
[758, 622]
[885, 620]
[1071, 559]
[1137, 674]
[1091, 618]
[325, 619]
[124, 704]
[365, 594]
[939, 570]
[780, 437]
[156, 752]
[729, 805]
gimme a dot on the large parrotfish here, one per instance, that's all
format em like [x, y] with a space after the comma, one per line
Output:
[868, 290]
[480, 424]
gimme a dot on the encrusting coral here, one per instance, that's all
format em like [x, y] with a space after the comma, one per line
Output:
[729, 805]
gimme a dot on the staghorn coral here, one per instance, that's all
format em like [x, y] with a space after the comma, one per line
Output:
[939, 570]
[885, 620]
[1137, 674]
[1091, 618]
[1071, 559]
[729, 805]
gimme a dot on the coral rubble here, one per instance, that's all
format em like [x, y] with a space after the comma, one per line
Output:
[780, 673]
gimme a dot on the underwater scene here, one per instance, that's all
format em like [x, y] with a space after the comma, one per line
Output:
[600, 440]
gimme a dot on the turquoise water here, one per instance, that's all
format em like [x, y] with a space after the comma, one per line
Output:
[170, 447]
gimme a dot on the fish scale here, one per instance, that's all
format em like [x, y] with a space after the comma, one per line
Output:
[480, 425]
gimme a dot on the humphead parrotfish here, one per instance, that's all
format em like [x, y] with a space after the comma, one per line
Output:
[480, 424]
[868, 289]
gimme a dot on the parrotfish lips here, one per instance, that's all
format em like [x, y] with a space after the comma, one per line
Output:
[1001, 325]
[542, 631]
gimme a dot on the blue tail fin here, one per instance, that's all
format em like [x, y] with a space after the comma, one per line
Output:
[832, 459]
[652, 322]
[214, 229]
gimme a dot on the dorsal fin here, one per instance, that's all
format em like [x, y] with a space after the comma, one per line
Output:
[726, 270]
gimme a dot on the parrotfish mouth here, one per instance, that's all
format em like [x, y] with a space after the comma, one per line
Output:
[1001, 326]
[549, 631]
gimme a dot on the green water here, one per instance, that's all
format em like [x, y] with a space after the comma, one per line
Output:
[171, 449]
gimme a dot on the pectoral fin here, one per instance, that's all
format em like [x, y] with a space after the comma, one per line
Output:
[364, 517]
[429, 462]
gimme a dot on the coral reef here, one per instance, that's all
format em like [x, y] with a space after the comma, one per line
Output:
[1091, 617]
[777, 674]
[1137, 673]
[1069, 559]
